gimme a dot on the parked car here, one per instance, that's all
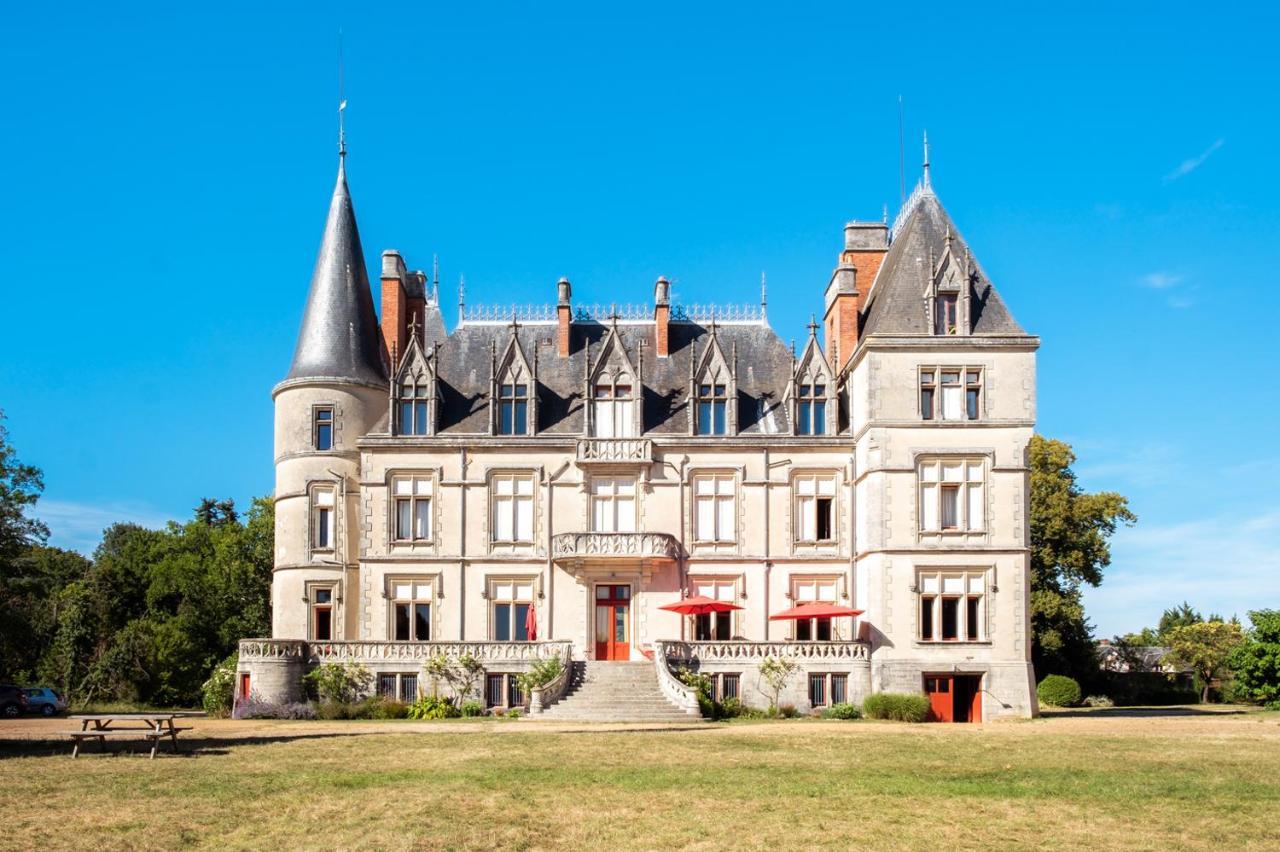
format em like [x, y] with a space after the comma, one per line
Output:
[42, 699]
[13, 701]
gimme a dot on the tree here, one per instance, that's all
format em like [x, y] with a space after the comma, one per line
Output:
[1204, 647]
[1178, 616]
[1070, 547]
[776, 671]
[1256, 661]
[20, 488]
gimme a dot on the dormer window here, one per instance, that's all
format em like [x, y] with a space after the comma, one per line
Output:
[513, 409]
[813, 409]
[413, 417]
[614, 407]
[712, 406]
[944, 314]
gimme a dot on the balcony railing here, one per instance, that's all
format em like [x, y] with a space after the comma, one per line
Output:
[375, 651]
[637, 545]
[615, 451]
[733, 651]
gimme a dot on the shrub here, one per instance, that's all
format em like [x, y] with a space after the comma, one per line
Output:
[217, 693]
[472, 708]
[256, 708]
[1129, 689]
[1058, 691]
[1099, 701]
[788, 711]
[460, 673]
[842, 711]
[776, 671]
[388, 708]
[896, 706]
[513, 713]
[540, 673]
[341, 683]
[731, 708]
[433, 707]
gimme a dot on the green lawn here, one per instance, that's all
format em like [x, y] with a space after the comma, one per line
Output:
[1088, 782]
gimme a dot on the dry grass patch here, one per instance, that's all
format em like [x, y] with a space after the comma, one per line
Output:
[1088, 782]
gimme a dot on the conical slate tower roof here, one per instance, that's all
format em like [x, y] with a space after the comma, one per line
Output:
[339, 338]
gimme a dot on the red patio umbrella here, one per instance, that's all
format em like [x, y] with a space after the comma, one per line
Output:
[699, 605]
[531, 624]
[814, 610]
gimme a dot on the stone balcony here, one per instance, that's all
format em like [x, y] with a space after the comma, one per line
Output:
[575, 551]
[737, 650]
[616, 452]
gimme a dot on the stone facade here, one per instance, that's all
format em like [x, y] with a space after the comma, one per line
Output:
[549, 460]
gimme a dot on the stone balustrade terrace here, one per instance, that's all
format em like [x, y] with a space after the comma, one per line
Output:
[374, 651]
[730, 651]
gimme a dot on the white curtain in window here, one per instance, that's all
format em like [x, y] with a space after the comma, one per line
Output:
[626, 506]
[928, 506]
[422, 519]
[952, 399]
[706, 522]
[604, 420]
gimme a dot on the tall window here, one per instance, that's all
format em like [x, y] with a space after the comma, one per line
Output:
[950, 393]
[713, 498]
[322, 613]
[951, 495]
[322, 518]
[413, 418]
[411, 610]
[815, 497]
[613, 505]
[512, 508]
[715, 625]
[813, 409]
[511, 602]
[513, 409]
[953, 606]
[819, 590]
[322, 428]
[944, 314]
[412, 507]
[614, 408]
[827, 689]
[712, 408]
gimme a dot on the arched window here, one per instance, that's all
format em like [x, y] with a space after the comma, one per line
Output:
[945, 317]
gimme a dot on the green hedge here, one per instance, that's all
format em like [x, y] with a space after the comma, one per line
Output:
[1058, 691]
[898, 706]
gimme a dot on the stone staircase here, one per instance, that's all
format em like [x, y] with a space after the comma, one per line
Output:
[602, 691]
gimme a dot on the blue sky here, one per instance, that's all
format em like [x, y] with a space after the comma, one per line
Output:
[168, 172]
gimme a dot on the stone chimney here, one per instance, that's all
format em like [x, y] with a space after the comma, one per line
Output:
[662, 316]
[865, 245]
[395, 306]
[564, 316]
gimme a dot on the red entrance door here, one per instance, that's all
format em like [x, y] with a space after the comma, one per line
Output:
[954, 698]
[613, 622]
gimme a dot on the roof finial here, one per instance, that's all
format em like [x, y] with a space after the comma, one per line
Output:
[435, 278]
[925, 180]
[342, 103]
[813, 325]
[462, 299]
[884, 215]
[764, 293]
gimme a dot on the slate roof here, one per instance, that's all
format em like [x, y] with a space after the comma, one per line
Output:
[464, 366]
[339, 338]
[896, 303]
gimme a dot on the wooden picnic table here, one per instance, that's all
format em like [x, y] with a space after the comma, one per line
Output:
[148, 726]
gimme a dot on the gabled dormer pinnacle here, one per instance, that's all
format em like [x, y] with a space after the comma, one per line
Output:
[339, 338]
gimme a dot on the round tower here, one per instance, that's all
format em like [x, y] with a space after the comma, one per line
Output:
[335, 392]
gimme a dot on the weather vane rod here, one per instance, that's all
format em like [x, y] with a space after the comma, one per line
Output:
[342, 103]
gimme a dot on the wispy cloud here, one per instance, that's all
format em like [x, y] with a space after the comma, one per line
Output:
[1225, 564]
[1186, 167]
[79, 526]
[1181, 301]
[1160, 280]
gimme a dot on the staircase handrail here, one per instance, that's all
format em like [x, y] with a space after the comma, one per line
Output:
[682, 695]
[542, 697]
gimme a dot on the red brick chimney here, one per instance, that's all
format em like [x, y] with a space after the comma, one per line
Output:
[395, 306]
[662, 316]
[564, 316]
[865, 245]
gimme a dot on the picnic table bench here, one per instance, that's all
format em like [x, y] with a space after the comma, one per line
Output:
[154, 727]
